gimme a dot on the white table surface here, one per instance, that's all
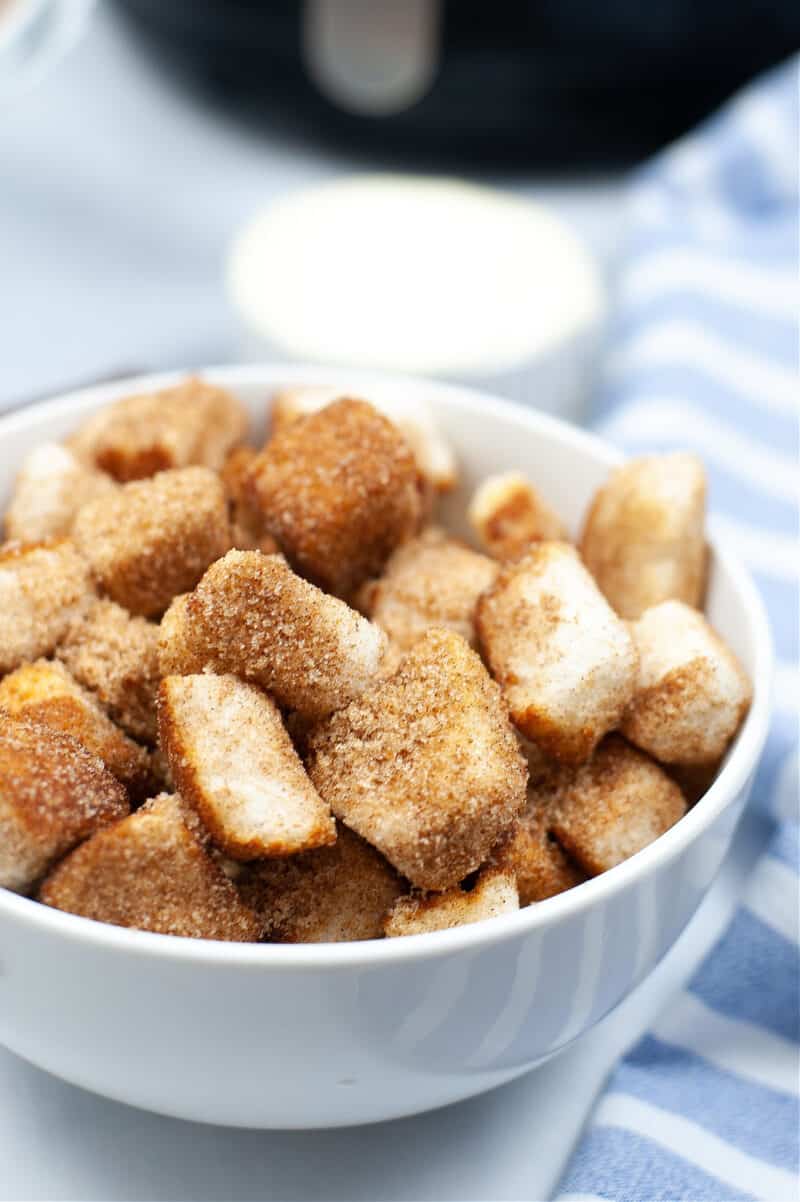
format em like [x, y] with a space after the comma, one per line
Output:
[118, 195]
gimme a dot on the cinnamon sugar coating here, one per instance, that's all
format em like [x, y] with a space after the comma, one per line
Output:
[231, 758]
[508, 515]
[644, 535]
[331, 895]
[43, 587]
[53, 794]
[566, 662]
[50, 488]
[613, 806]
[691, 693]
[338, 490]
[115, 656]
[152, 872]
[193, 422]
[247, 525]
[154, 538]
[252, 616]
[433, 580]
[494, 893]
[44, 692]
[539, 864]
[425, 766]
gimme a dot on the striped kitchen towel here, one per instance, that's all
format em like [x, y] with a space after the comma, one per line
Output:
[705, 356]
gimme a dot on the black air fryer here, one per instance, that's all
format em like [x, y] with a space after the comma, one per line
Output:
[565, 83]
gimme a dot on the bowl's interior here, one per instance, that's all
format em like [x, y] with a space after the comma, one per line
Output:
[487, 436]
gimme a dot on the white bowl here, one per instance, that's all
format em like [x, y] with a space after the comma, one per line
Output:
[334, 1034]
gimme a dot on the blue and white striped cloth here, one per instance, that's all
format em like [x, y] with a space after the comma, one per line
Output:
[706, 356]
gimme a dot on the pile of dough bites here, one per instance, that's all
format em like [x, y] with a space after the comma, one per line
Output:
[258, 694]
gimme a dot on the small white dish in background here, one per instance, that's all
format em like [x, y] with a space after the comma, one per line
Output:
[300, 1036]
[422, 275]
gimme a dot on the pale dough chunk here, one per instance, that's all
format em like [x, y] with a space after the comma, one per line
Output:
[494, 893]
[50, 488]
[508, 514]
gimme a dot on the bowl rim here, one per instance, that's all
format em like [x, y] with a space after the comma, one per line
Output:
[739, 764]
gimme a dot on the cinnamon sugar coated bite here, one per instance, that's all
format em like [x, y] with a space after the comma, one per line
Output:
[53, 794]
[566, 662]
[50, 488]
[338, 490]
[332, 895]
[691, 692]
[508, 515]
[613, 806]
[425, 766]
[251, 615]
[154, 538]
[540, 865]
[433, 580]
[231, 758]
[43, 587]
[494, 893]
[115, 656]
[192, 422]
[151, 871]
[644, 536]
[45, 693]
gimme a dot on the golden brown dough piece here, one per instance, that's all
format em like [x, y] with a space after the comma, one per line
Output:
[154, 538]
[566, 662]
[332, 895]
[53, 793]
[541, 867]
[614, 805]
[494, 893]
[252, 616]
[425, 767]
[43, 588]
[193, 422]
[50, 488]
[338, 490]
[115, 656]
[508, 515]
[151, 872]
[44, 692]
[691, 693]
[433, 580]
[247, 526]
[435, 459]
[231, 758]
[644, 536]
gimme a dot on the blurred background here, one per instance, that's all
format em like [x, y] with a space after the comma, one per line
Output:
[139, 138]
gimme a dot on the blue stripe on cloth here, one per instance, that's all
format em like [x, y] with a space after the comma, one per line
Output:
[753, 974]
[619, 1165]
[679, 1081]
[756, 333]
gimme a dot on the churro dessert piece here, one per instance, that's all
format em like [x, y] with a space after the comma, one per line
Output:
[613, 806]
[425, 766]
[192, 422]
[232, 759]
[53, 793]
[151, 871]
[331, 895]
[493, 893]
[566, 662]
[338, 490]
[44, 692]
[247, 525]
[50, 488]
[644, 535]
[154, 538]
[508, 515]
[115, 656]
[691, 692]
[43, 588]
[435, 459]
[433, 580]
[540, 865]
[252, 616]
